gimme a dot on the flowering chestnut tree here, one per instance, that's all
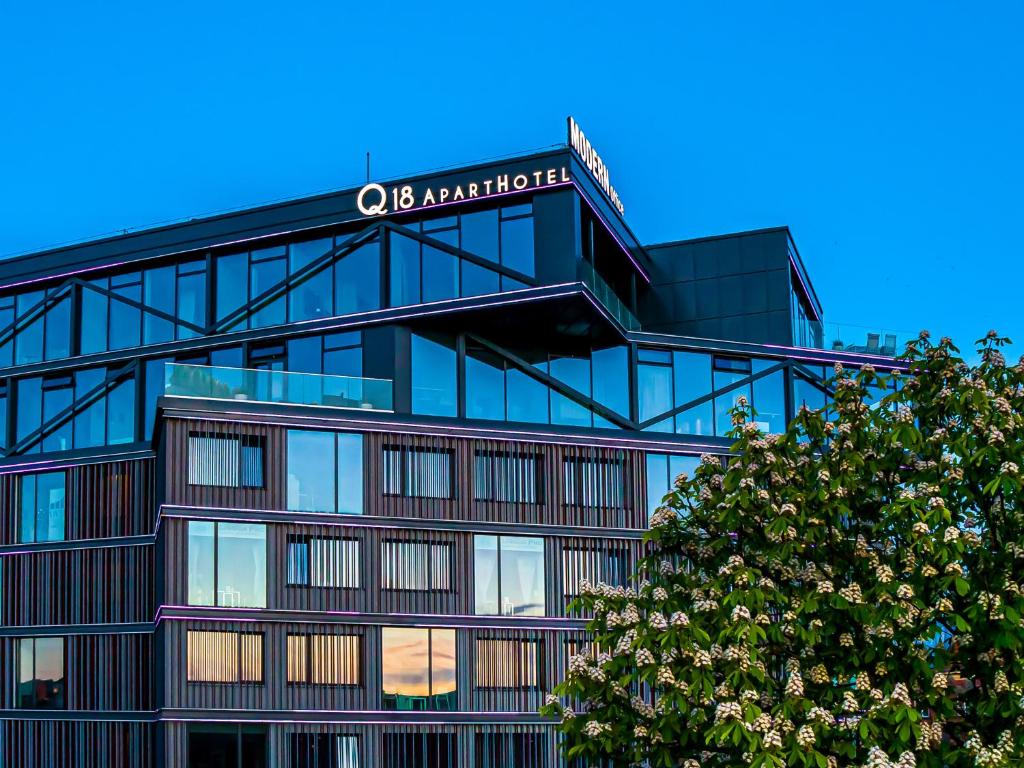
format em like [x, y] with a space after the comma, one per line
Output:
[848, 593]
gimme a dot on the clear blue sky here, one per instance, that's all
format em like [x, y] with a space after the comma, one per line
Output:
[886, 134]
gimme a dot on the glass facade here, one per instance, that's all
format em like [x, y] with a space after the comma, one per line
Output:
[42, 507]
[418, 668]
[325, 472]
[41, 673]
[227, 564]
[508, 575]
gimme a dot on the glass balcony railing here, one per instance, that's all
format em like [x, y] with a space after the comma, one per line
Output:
[262, 386]
[871, 341]
[606, 296]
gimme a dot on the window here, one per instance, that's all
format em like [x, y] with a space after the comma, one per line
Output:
[594, 482]
[433, 378]
[235, 462]
[692, 380]
[504, 663]
[325, 472]
[507, 477]
[418, 668]
[729, 371]
[225, 745]
[662, 471]
[317, 562]
[415, 565]
[654, 384]
[325, 659]
[324, 750]
[227, 564]
[508, 575]
[425, 472]
[41, 676]
[42, 507]
[224, 657]
[595, 565]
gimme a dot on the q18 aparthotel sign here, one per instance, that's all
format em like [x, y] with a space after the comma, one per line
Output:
[378, 200]
[588, 155]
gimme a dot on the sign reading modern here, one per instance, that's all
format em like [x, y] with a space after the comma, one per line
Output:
[594, 163]
[376, 200]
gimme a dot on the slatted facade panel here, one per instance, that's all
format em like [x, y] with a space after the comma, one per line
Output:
[509, 670]
[271, 491]
[347, 568]
[115, 498]
[104, 585]
[109, 672]
[392, 745]
[326, 666]
[67, 744]
[571, 559]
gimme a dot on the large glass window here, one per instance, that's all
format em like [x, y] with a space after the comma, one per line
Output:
[312, 297]
[325, 472]
[416, 565]
[654, 383]
[662, 471]
[727, 372]
[325, 659]
[41, 674]
[224, 657]
[418, 668]
[508, 477]
[508, 663]
[693, 381]
[225, 460]
[323, 562]
[508, 575]
[357, 279]
[433, 378]
[423, 472]
[42, 507]
[227, 564]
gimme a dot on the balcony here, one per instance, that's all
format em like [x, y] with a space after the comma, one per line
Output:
[263, 386]
[871, 341]
[606, 296]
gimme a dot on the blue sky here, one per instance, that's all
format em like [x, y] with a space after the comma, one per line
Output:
[887, 135]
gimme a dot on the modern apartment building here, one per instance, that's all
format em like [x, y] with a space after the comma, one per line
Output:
[311, 484]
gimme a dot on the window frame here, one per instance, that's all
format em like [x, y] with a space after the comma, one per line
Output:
[432, 570]
[216, 563]
[306, 542]
[405, 471]
[511, 654]
[24, 642]
[309, 667]
[238, 636]
[242, 444]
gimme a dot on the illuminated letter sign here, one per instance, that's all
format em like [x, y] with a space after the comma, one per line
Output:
[376, 200]
[588, 155]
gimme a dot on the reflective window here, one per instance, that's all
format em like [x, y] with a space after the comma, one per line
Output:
[508, 575]
[41, 673]
[323, 562]
[425, 472]
[42, 507]
[610, 371]
[508, 663]
[433, 378]
[225, 460]
[769, 397]
[654, 383]
[729, 371]
[662, 471]
[692, 380]
[325, 472]
[418, 668]
[224, 657]
[227, 564]
[357, 279]
[485, 385]
[324, 659]
[416, 565]
[404, 254]
[312, 296]
[507, 477]
[124, 325]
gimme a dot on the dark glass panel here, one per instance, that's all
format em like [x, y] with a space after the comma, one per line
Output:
[654, 383]
[232, 286]
[485, 387]
[265, 274]
[191, 298]
[56, 399]
[58, 329]
[94, 318]
[121, 413]
[517, 245]
[125, 320]
[440, 275]
[692, 379]
[725, 403]
[657, 480]
[770, 398]
[527, 398]
[480, 234]
[28, 344]
[312, 297]
[91, 423]
[405, 270]
[30, 409]
[477, 280]
[305, 355]
[357, 280]
[6, 320]
[575, 373]
[433, 378]
[159, 293]
[611, 378]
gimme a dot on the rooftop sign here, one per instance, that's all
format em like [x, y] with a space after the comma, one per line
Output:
[588, 155]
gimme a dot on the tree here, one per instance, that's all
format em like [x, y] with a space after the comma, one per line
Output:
[847, 593]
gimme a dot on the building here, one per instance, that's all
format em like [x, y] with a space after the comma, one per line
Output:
[310, 484]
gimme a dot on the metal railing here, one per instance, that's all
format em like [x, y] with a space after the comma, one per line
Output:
[604, 294]
[263, 386]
